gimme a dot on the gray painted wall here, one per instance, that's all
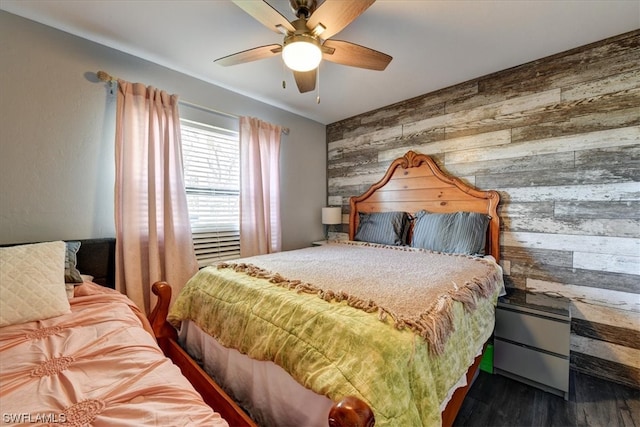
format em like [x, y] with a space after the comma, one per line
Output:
[559, 138]
[57, 137]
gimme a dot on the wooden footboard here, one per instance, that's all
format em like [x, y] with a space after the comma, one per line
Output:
[348, 412]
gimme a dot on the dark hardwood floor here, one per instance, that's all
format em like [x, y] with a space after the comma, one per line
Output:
[494, 400]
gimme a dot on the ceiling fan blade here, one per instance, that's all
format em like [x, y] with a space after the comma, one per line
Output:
[306, 80]
[267, 15]
[354, 55]
[334, 15]
[249, 55]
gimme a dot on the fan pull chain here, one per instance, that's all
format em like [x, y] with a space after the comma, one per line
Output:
[284, 74]
[318, 86]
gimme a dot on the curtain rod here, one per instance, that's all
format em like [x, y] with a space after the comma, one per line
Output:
[106, 77]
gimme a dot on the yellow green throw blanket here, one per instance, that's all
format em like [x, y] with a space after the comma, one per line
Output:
[395, 353]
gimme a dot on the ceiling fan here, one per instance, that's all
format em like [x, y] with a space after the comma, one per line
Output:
[307, 39]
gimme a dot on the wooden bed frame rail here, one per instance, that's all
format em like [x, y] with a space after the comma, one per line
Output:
[348, 412]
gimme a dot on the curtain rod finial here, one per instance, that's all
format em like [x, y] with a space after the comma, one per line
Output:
[104, 76]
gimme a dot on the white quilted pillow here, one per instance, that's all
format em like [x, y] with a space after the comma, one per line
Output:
[32, 283]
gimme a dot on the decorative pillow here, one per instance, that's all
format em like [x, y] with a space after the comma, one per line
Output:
[87, 277]
[71, 273]
[458, 232]
[387, 228]
[32, 282]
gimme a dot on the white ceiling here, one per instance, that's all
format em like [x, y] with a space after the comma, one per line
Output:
[434, 44]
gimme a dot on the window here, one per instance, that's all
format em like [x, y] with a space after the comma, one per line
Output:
[211, 157]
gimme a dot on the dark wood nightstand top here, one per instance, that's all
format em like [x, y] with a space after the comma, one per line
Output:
[528, 301]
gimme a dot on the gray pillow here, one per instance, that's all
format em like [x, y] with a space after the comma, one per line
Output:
[386, 228]
[71, 273]
[458, 232]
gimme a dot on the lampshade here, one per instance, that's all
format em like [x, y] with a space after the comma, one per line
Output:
[301, 53]
[332, 215]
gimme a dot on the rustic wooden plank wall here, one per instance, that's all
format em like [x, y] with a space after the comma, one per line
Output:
[559, 138]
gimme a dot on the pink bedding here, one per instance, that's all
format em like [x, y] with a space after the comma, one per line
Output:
[97, 366]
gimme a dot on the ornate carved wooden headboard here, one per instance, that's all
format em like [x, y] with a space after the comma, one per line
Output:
[414, 182]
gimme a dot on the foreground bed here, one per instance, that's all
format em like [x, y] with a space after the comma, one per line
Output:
[88, 357]
[401, 366]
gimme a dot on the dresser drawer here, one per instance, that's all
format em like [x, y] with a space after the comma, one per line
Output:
[543, 368]
[540, 332]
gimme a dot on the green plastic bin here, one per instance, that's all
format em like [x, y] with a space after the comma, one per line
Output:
[486, 364]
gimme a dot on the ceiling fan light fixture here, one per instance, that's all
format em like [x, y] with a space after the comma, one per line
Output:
[301, 53]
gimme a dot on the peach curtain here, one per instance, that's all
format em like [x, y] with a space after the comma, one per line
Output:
[153, 234]
[260, 231]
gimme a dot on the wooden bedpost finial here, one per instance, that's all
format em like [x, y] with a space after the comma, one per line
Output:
[351, 412]
[158, 317]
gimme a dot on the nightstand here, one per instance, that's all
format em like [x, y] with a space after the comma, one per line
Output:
[531, 340]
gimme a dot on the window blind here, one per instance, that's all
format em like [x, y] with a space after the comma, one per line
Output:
[211, 158]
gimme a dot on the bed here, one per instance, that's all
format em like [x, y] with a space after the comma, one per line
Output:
[318, 336]
[73, 352]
